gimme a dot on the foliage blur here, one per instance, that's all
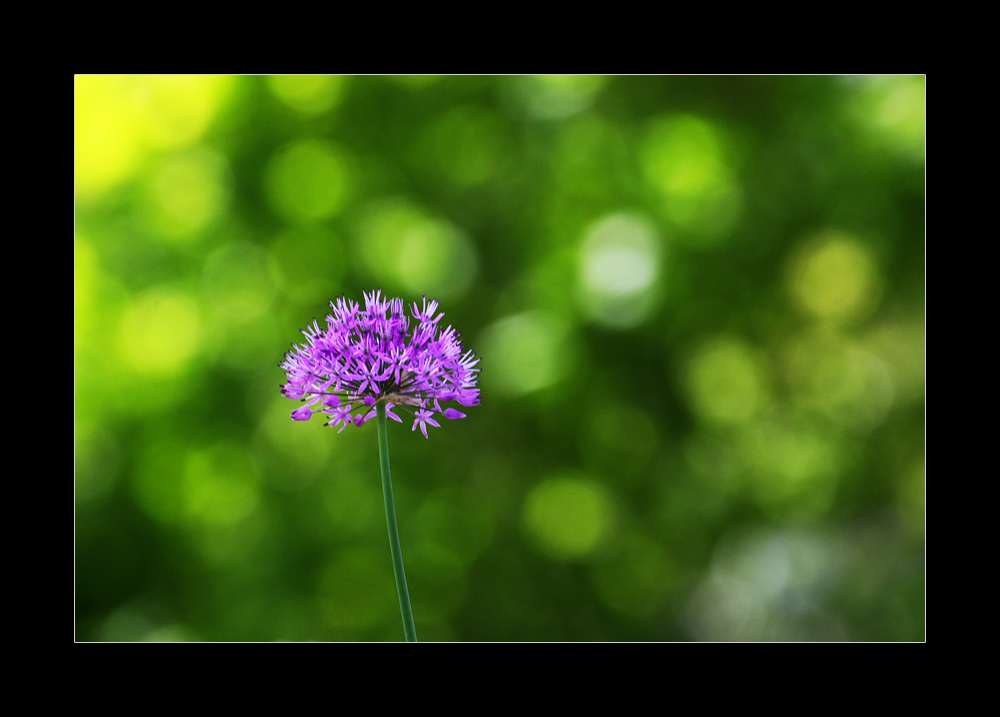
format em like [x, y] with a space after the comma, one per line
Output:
[699, 306]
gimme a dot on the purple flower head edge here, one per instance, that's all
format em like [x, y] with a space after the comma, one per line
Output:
[376, 356]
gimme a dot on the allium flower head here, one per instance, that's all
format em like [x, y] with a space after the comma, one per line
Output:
[369, 356]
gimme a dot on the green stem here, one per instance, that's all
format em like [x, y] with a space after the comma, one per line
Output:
[390, 519]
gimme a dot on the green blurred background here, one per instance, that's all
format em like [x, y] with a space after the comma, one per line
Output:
[699, 307]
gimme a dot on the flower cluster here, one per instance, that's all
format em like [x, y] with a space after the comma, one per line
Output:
[370, 356]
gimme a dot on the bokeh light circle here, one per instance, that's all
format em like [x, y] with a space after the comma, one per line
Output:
[835, 277]
[307, 180]
[309, 94]
[727, 382]
[406, 248]
[523, 353]
[567, 516]
[619, 271]
[160, 331]
[685, 161]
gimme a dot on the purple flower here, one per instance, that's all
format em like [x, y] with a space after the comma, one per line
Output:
[390, 414]
[372, 356]
[423, 418]
[340, 414]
